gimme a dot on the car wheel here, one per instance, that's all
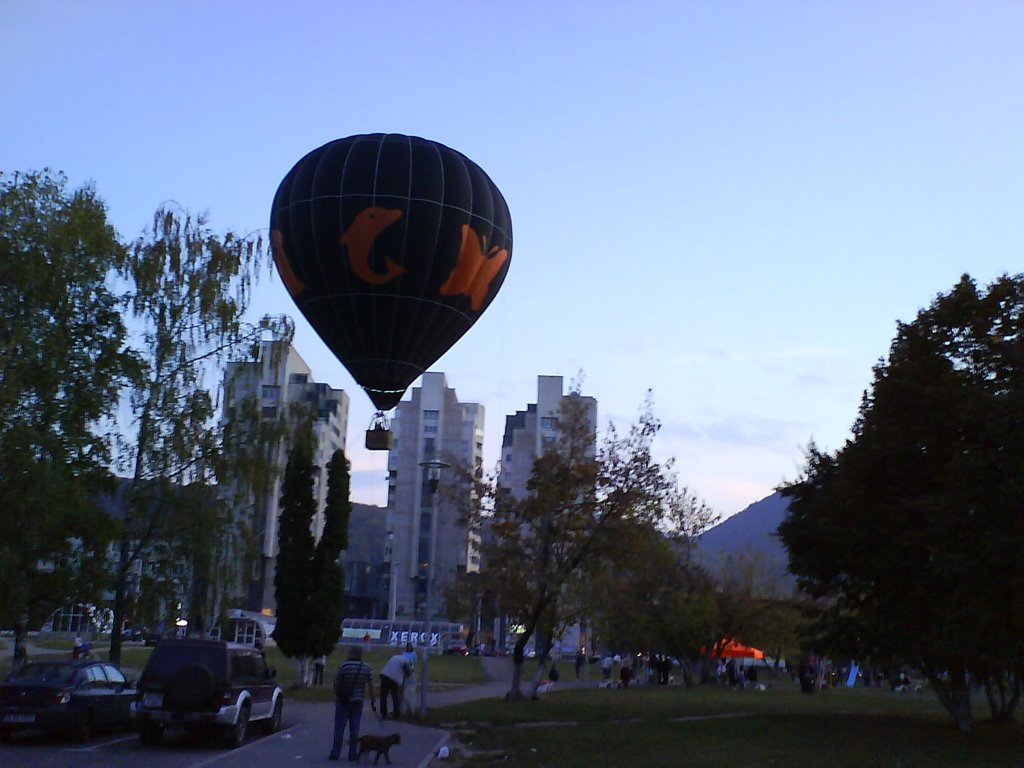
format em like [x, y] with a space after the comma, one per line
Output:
[275, 719]
[150, 734]
[235, 736]
[83, 732]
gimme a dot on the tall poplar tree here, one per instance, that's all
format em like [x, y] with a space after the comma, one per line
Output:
[327, 598]
[293, 574]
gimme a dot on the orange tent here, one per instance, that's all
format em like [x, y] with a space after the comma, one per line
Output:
[734, 650]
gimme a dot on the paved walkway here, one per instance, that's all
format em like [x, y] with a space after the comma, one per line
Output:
[420, 745]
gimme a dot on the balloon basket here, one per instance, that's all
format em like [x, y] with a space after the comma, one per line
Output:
[378, 436]
[378, 439]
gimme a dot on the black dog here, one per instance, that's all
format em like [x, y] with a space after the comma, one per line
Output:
[379, 744]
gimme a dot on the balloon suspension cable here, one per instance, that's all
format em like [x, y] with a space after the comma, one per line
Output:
[380, 421]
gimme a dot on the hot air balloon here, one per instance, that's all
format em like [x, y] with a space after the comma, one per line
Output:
[392, 246]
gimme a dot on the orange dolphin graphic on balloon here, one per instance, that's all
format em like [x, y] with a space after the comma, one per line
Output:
[284, 266]
[473, 270]
[358, 239]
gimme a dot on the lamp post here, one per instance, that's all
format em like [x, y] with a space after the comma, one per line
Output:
[433, 467]
[392, 583]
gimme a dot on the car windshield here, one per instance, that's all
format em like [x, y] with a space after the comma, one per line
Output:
[47, 673]
[168, 659]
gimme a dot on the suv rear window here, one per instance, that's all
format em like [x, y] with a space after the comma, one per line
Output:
[169, 658]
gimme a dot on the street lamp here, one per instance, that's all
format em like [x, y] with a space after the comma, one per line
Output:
[392, 583]
[433, 467]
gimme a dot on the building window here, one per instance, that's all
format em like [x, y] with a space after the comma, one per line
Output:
[429, 415]
[430, 429]
[270, 391]
[429, 447]
[549, 422]
[269, 411]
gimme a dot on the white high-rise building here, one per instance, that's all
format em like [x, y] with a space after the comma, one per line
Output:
[429, 544]
[279, 384]
[526, 432]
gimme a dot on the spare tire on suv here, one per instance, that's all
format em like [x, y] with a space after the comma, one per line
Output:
[191, 686]
[199, 684]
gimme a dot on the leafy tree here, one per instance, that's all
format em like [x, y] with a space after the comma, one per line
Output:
[655, 600]
[912, 530]
[754, 607]
[585, 508]
[189, 292]
[63, 361]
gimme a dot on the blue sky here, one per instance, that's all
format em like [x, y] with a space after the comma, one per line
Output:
[729, 203]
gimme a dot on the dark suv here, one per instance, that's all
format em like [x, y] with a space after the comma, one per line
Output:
[208, 685]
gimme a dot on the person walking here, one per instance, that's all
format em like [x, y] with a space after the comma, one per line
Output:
[392, 678]
[409, 684]
[319, 664]
[350, 684]
[580, 658]
[625, 673]
[606, 667]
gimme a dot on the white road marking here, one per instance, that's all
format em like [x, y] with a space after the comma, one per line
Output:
[223, 755]
[94, 747]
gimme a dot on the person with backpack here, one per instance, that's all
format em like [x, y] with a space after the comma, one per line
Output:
[350, 683]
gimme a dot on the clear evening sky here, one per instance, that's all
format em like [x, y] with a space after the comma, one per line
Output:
[729, 203]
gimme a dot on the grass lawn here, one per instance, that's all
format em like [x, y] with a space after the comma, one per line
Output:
[443, 671]
[647, 726]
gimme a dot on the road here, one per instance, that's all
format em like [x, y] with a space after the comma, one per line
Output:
[304, 738]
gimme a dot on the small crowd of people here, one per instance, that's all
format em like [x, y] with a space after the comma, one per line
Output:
[655, 668]
[735, 675]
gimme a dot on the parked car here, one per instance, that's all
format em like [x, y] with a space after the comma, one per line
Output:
[207, 685]
[76, 696]
[456, 648]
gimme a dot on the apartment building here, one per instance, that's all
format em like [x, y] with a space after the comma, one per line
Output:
[280, 381]
[427, 545]
[526, 433]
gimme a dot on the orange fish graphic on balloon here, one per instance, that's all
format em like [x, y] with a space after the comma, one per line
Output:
[474, 270]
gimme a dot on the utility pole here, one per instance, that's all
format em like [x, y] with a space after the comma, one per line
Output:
[433, 467]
